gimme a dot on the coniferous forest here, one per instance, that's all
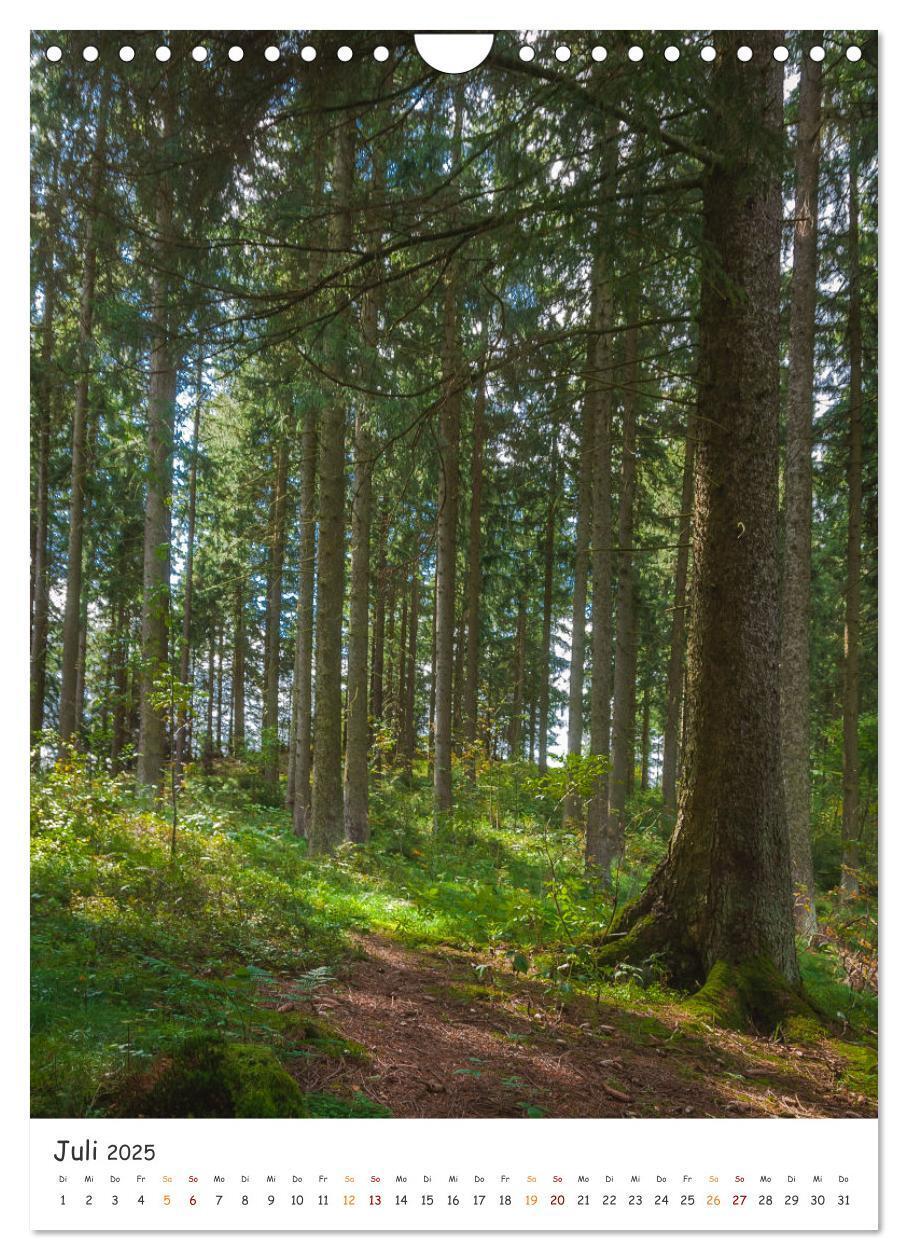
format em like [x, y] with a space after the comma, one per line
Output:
[453, 575]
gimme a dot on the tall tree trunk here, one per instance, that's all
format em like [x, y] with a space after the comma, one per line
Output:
[299, 772]
[599, 384]
[238, 673]
[545, 654]
[622, 758]
[277, 534]
[302, 751]
[678, 646]
[219, 703]
[162, 391]
[645, 741]
[795, 677]
[119, 736]
[516, 728]
[474, 580]
[327, 824]
[572, 802]
[432, 689]
[376, 702]
[45, 396]
[720, 904]
[851, 822]
[356, 770]
[208, 750]
[448, 498]
[72, 611]
[185, 699]
[409, 719]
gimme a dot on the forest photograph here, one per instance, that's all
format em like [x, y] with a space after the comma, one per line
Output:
[453, 601]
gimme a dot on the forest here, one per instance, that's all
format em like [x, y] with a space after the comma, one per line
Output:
[453, 674]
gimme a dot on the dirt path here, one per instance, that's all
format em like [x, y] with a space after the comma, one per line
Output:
[445, 1040]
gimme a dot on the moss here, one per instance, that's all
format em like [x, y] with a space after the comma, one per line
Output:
[860, 1072]
[318, 1037]
[637, 937]
[209, 1077]
[357, 1106]
[754, 993]
[470, 993]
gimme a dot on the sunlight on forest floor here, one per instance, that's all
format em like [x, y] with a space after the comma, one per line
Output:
[483, 932]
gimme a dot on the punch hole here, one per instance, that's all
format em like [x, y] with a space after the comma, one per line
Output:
[853, 53]
[672, 53]
[272, 53]
[308, 53]
[708, 53]
[453, 54]
[199, 53]
[745, 52]
[598, 53]
[162, 53]
[54, 53]
[635, 53]
[527, 53]
[562, 52]
[780, 52]
[235, 53]
[127, 53]
[381, 53]
[344, 53]
[90, 53]
[817, 53]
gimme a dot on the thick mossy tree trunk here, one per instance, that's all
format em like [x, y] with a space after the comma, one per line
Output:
[719, 907]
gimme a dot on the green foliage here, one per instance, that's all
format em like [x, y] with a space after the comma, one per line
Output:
[133, 953]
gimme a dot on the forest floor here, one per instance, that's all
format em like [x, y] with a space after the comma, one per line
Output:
[417, 975]
[439, 1042]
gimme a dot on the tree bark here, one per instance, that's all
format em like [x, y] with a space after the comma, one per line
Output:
[238, 674]
[622, 757]
[572, 802]
[356, 770]
[299, 774]
[327, 823]
[186, 704]
[474, 580]
[162, 389]
[277, 534]
[545, 654]
[645, 741]
[516, 727]
[851, 822]
[719, 906]
[45, 396]
[795, 675]
[302, 751]
[678, 649]
[599, 385]
[72, 612]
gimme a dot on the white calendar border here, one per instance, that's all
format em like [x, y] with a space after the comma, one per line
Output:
[500, 14]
